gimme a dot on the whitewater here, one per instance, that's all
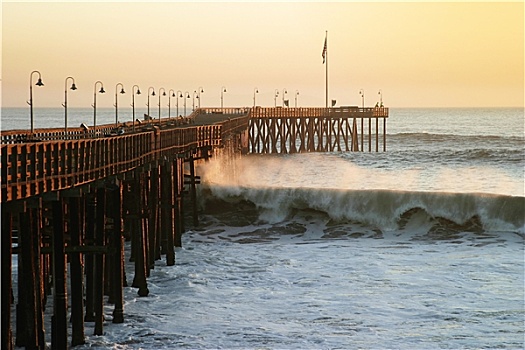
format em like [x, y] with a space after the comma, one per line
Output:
[419, 247]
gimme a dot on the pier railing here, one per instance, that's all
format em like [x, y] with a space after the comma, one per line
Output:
[77, 133]
[32, 168]
[339, 112]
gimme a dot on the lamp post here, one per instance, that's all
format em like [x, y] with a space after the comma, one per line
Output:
[362, 93]
[30, 102]
[101, 91]
[380, 93]
[223, 90]
[255, 91]
[171, 94]
[73, 87]
[275, 97]
[133, 102]
[284, 92]
[152, 94]
[179, 94]
[163, 94]
[186, 95]
[195, 93]
[296, 94]
[200, 90]
[116, 101]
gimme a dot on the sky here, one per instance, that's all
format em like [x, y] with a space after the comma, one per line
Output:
[417, 54]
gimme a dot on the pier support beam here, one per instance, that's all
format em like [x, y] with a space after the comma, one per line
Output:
[118, 253]
[99, 261]
[139, 220]
[7, 282]
[77, 273]
[177, 194]
[30, 329]
[59, 319]
[167, 212]
[154, 233]
[91, 204]
[193, 192]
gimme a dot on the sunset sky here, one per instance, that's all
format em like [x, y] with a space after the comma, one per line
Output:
[419, 54]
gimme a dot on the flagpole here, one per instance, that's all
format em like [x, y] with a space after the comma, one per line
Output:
[326, 58]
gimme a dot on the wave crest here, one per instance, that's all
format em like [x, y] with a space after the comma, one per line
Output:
[384, 209]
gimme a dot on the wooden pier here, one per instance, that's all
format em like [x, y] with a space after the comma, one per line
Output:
[292, 130]
[70, 199]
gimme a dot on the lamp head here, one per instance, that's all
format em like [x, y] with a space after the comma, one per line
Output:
[172, 94]
[153, 93]
[39, 82]
[138, 92]
[73, 86]
[122, 91]
[202, 90]
[164, 93]
[102, 90]
[181, 95]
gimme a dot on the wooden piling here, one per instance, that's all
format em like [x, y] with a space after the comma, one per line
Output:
[177, 195]
[98, 297]
[139, 222]
[377, 134]
[118, 254]
[91, 204]
[167, 212]
[30, 328]
[59, 319]
[7, 285]
[35, 204]
[24, 262]
[193, 192]
[384, 134]
[369, 134]
[77, 273]
[154, 233]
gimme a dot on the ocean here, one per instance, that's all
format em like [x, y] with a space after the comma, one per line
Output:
[419, 247]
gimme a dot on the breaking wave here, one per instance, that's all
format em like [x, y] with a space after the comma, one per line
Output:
[385, 209]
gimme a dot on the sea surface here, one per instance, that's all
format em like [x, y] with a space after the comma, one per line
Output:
[419, 247]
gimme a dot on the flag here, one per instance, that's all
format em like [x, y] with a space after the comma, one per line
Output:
[324, 50]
